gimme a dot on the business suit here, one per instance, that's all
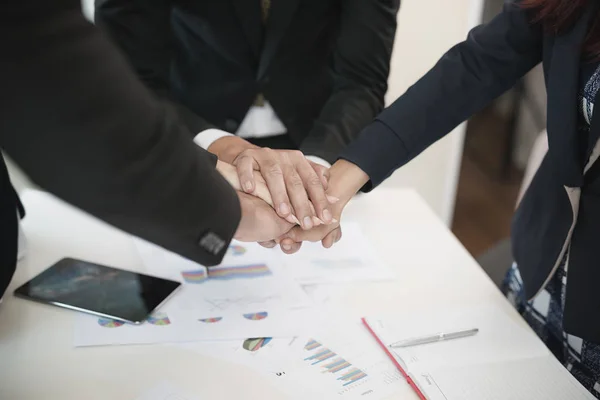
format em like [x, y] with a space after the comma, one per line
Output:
[560, 211]
[321, 64]
[79, 122]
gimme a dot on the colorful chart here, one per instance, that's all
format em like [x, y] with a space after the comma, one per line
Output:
[336, 365]
[159, 319]
[255, 344]
[331, 363]
[320, 356]
[256, 316]
[238, 272]
[311, 345]
[353, 376]
[195, 276]
[213, 320]
[109, 323]
[237, 250]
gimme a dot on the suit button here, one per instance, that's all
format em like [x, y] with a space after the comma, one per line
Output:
[231, 125]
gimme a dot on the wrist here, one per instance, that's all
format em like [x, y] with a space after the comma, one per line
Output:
[346, 179]
[229, 147]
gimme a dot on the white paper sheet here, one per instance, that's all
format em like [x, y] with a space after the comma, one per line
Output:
[352, 259]
[504, 360]
[165, 391]
[344, 362]
[261, 354]
[500, 338]
[177, 328]
[250, 280]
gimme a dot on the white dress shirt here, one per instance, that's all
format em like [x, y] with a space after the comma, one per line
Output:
[20, 241]
[260, 122]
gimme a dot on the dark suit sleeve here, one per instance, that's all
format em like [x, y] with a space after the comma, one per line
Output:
[464, 81]
[78, 121]
[142, 30]
[360, 69]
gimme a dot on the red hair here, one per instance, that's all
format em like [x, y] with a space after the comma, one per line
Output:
[559, 15]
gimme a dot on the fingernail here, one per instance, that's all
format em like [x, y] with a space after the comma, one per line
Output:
[284, 209]
[286, 246]
[308, 224]
[334, 221]
[327, 217]
[296, 220]
[332, 199]
[317, 221]
[248, 186]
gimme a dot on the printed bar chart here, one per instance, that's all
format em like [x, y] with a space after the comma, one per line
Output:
[331, 363]
[336, 366]
[354, 375]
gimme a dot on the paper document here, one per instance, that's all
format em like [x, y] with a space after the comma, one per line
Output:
[164, 327]
[352, 259]
[504, 360]
[342, 362]
[251, 279]
[251, 296]
[264, 354]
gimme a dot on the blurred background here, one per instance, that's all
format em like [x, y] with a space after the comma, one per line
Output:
[472, 178]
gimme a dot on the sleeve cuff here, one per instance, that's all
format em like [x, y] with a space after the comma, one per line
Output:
[378, 151]
[319, 160]
[207, 137]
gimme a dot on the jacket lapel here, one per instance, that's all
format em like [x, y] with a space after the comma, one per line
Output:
[563, 87]
[280, 17]
[250, 16]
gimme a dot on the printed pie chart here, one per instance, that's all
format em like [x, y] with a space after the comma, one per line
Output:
[109, 323]
[256, 316]
[255, 344]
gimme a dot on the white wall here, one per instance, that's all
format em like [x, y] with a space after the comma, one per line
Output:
[426, 29]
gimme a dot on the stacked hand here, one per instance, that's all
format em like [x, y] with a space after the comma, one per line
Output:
[286, 198]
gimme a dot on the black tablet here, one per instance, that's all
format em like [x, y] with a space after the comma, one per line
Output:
[99, 290]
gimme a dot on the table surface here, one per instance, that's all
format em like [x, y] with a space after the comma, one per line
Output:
[36, 341]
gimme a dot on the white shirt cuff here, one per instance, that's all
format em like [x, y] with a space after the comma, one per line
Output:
[319, 161]
[205, 138]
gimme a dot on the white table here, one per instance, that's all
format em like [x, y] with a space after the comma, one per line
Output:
[38, 360]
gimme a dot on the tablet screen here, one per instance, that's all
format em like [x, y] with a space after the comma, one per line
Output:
[100, 290]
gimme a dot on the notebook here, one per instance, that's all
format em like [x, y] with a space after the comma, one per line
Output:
[504, 361]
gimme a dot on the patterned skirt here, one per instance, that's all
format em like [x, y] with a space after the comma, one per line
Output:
[545, 314]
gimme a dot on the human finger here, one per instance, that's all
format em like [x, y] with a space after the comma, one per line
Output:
[331, 238]
[313, 185]
[288, 246]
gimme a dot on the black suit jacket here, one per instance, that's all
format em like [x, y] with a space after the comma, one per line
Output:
[322, 64]
[561, 209]
[79, 122]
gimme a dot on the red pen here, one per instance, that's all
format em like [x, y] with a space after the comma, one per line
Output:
[396, 363]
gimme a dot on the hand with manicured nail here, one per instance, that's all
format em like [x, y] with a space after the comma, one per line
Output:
[297, 186]
[261, 190]
[345, 181]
